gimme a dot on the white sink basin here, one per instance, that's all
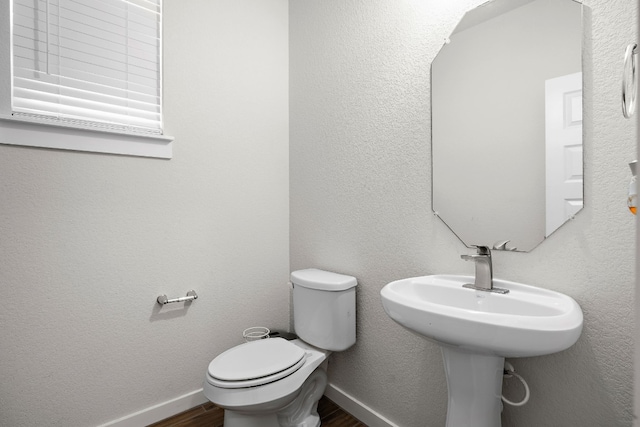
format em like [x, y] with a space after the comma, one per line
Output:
[525, 322]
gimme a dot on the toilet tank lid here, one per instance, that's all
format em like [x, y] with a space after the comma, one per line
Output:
[313, 278]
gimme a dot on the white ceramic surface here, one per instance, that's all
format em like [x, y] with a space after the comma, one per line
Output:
[261, 406]
[528, 321]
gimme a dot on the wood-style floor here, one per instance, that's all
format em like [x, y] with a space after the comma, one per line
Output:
[209, 415]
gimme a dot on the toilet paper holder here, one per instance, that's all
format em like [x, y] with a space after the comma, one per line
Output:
[191, 295]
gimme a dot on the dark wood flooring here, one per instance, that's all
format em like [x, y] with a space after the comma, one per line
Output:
[209, 415]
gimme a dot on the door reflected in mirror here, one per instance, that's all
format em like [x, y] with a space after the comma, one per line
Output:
[506, 105]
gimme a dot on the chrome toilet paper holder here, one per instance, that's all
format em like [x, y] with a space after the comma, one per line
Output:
[191, 295]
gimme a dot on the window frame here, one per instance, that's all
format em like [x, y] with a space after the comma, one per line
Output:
[32, 132]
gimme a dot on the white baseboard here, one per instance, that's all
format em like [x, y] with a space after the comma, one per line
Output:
[172, 407]
[356, 408]
[160, 411]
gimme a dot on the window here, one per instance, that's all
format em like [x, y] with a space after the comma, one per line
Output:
[90, 65]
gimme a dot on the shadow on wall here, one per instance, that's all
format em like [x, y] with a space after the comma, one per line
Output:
[169, 311]
[539, 377]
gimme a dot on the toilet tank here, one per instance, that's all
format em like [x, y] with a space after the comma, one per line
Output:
[324, 308]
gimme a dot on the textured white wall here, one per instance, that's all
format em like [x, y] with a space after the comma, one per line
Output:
[88, 241]
[360, 205]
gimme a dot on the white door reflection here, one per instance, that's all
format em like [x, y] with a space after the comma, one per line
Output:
[563, 138]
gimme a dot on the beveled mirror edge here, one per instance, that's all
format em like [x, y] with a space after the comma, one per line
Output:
[587, 78]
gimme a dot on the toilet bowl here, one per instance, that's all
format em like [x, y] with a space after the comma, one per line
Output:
[260, 397]
[275, 382]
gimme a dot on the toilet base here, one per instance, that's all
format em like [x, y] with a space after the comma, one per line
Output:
[236, 419]
[301, 412]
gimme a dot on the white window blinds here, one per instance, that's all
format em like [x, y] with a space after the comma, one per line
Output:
[90, 63]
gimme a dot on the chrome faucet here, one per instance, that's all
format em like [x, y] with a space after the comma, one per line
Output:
[484, 271]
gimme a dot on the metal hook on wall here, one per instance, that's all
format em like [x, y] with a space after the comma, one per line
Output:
[629, 81]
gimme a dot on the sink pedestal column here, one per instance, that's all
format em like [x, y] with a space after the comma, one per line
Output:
[474, 382]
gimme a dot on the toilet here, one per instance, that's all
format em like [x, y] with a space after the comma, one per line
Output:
[277, 382]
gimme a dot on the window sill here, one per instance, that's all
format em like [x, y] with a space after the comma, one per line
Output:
[31, 133]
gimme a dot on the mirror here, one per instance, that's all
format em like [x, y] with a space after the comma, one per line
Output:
[506, 105]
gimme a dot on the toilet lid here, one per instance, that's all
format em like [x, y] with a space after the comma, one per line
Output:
[255, 363]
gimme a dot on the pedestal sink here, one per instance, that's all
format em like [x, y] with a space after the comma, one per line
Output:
[477, 330]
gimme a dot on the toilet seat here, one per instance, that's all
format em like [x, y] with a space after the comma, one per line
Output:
[255, 363]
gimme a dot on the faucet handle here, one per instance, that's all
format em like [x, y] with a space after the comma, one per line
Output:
[483, 253]
[501, 245]
[482, 250]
